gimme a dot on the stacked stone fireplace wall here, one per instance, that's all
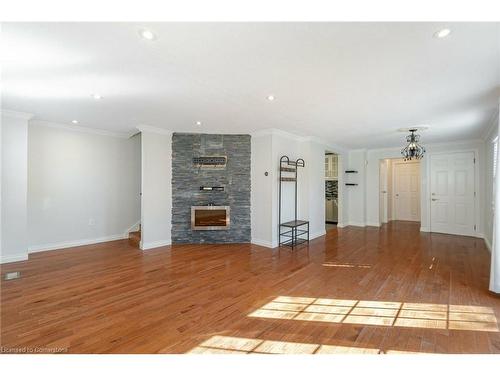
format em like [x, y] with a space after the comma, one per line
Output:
[187, 179]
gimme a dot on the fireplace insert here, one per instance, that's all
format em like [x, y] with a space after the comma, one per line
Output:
[210, 217]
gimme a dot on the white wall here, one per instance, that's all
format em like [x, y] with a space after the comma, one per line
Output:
[262, 190]
[82, 187]
[14, 177]
[355, 194]
[156, 213]
[364, 201]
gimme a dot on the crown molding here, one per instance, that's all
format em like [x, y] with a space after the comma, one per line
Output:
[334, 147]
[77, 128]
[276, 131]
[16, 114]
[430, 145]
[493, 124]
[152, 129]
[299, 138]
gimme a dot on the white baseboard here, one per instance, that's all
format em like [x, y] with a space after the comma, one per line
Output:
[272, 245]
[488, 244]
[155, 244]
[67, 244]
[425, 229]
[13, 258]
[372, 224]
[341, 225]
[317, 234]
[264, 243]
[356, 224]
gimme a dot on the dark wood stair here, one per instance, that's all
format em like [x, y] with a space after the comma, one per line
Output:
[135, 238]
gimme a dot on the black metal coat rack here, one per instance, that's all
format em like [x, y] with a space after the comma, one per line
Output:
[294, 232]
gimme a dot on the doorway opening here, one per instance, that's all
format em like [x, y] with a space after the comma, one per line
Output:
[399, 190]
[331, 190]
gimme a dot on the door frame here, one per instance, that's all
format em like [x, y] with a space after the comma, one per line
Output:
[477, 195]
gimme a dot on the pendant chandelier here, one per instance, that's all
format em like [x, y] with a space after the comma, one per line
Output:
[413, 150]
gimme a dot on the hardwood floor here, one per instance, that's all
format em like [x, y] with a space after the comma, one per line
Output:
[368, 290]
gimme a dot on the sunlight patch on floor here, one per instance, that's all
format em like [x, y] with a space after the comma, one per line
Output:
[241, 345]
[380, 313]
[346, 265]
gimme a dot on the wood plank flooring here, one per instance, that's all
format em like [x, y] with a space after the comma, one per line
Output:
[369, 290]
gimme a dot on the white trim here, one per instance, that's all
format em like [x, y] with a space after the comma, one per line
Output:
[77, 128]
[355, 224]
[15, 114]
[67, 244]
[317, 234]
[339, 149]
[428, 146]
[492, 126]
[275, 131]
[13, 258]
[264, 243]
[152, 129]
[341, 225]
[425, 229]
[333, 147]
[155, 244]
[372, 224]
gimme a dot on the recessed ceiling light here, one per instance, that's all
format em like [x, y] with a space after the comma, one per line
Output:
[270, 98]
[96, 96]
[147, 34]
[75, 121]
[198, 123]
[443, 33]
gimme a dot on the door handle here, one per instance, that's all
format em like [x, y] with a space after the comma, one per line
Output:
[435, 199]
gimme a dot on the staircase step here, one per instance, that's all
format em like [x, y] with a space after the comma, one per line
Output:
[135, 237]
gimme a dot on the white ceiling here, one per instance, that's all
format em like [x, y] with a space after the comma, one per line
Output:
[354, 84]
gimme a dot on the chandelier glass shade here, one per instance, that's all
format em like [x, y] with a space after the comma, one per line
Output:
[413, 150]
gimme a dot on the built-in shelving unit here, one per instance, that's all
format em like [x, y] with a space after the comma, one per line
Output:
[331, 167]
[295, 232]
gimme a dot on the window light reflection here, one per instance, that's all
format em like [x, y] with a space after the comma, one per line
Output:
[381, 313]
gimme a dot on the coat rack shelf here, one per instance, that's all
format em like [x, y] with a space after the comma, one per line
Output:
[294, 232]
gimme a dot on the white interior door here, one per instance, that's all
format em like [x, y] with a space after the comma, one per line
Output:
[452, 193]
[407, 191]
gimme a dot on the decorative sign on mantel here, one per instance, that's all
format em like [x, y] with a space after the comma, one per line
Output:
[210, 162]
